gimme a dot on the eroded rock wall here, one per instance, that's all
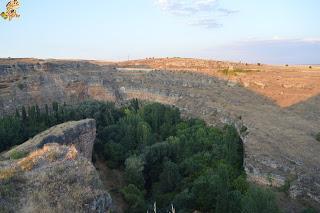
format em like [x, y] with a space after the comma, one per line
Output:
[279, 143]
[56, 175]
[81, 134]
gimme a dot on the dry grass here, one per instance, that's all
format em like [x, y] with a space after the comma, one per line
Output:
[48, 153]
[72, 153]
[7, 173]
[236, 71]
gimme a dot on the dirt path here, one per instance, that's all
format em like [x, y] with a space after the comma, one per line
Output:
[113, 181]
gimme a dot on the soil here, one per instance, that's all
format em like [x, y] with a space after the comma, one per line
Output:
[113, 181]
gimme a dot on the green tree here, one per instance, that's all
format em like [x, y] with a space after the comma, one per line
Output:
[135, 198]
[169, 177]
[134, 166]
[115, 153]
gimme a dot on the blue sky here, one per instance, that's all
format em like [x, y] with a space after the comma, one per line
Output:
[273, 31]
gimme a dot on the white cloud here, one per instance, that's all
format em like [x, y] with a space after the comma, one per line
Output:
[206, 22]
[197, 12]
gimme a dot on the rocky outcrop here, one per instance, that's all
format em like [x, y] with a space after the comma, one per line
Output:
[56, 174]
[279, 143]
[81, 134]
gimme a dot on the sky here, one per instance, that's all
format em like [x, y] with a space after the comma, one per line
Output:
[273, 31]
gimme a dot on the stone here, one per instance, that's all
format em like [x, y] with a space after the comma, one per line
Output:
[79, 133]
[57, 174]
[278, 142]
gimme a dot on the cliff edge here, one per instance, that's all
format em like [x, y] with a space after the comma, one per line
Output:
[55, 173]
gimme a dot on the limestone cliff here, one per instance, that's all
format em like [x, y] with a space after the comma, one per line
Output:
[279, 143]
[56, 175]
[81, 134]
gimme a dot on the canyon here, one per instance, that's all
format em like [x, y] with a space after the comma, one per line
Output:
[275, 109]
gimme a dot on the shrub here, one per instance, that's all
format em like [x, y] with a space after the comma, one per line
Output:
[318, 137]
[20, 86]
[15, 155]
[133, 171]
[6, 190]
[259, 200]
[241, 184]
[184, 200]
[310, 67]
[309, 210]
[115, 153]
[170, 176]
[135, 198]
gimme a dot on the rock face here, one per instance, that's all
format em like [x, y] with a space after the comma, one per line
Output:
[56, 175]
[79, 133]
[279, 143]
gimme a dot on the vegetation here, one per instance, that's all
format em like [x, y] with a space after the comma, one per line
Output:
[21, 86]
[236, 71]
[27, 122]
[309, 210]
[166, 160]
[318, 137]
[17, 155]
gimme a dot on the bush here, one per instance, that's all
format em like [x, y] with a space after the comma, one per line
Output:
[184, 200]
[258, 200]
[318, 137]
[133, 171]
[15, 155]
[135, 198]
[20, 86]
[309, 210]
[170, 176]
[115, 154]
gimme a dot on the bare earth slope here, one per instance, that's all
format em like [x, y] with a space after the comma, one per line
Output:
[278, 133]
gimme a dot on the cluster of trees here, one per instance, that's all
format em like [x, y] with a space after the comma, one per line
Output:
[165, 159]
[179, 162]
[29, 121]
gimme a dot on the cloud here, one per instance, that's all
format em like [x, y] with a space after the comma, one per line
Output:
[206, 22]
[205, 13]
[273, 51]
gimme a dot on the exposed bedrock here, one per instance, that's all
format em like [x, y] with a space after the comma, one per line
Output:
[279, 143]
[56, 175]
[81, 134]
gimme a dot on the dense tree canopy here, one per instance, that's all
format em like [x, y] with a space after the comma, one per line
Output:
[165, 159]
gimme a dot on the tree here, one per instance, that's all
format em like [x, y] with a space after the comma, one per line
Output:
[115, 153]
[24, 114]
[134, 166]
[170, 176]
[135, 198]
[232, 147]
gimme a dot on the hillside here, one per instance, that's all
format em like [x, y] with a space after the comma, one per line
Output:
[53, 172]
[275, 109]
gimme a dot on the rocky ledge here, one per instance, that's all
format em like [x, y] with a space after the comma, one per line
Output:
[55, 173]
